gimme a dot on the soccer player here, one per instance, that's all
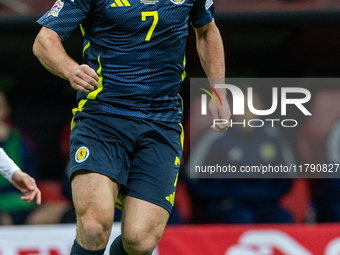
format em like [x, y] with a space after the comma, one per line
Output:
[20, 180]
[127, 140]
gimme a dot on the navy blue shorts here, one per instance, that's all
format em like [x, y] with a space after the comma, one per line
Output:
[142, 155]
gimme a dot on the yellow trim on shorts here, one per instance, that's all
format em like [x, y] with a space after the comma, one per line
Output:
[119, 201]
[175, 184]
[171, 197]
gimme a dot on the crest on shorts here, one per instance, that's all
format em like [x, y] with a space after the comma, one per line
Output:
[82, 154]
[178, 2]
[56, 8]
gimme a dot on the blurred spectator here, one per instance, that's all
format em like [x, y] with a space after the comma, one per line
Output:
[318, 142]
[226, 200]
[327, 194]
[57, 204]
[13, 210]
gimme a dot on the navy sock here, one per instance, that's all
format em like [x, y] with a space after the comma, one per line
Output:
[117, 247]
[78, 250]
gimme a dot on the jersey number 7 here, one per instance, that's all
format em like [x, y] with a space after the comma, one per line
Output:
[154, 14]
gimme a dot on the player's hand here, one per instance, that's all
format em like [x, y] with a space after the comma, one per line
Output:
[220, 112]
[26, 184]
[84, 78]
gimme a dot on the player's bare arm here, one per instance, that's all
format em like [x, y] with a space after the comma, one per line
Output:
[211, 53]
[49, 50]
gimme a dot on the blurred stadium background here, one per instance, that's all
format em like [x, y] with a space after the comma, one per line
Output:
[262, 38]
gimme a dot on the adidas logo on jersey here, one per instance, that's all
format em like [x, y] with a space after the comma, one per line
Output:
[120, 3]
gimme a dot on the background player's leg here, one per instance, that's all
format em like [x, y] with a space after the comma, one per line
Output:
[143, 224]
[94, 196]
[117, 247]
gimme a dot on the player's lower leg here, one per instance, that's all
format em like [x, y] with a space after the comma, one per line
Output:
[78, 250]
[117, 247]
[135, 246]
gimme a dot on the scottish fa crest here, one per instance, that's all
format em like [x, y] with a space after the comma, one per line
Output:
[82, 154]
[178, 2]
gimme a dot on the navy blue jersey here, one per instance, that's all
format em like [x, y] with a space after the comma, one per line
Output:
[137, 48]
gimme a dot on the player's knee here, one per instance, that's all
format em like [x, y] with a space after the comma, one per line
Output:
[96, 227]
[140, 244]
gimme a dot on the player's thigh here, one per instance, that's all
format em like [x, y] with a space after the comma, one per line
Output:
[143, 221]
[94, 195]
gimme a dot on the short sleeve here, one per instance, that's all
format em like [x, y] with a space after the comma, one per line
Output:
[202, 13]
[65, 16]
[7, 166]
